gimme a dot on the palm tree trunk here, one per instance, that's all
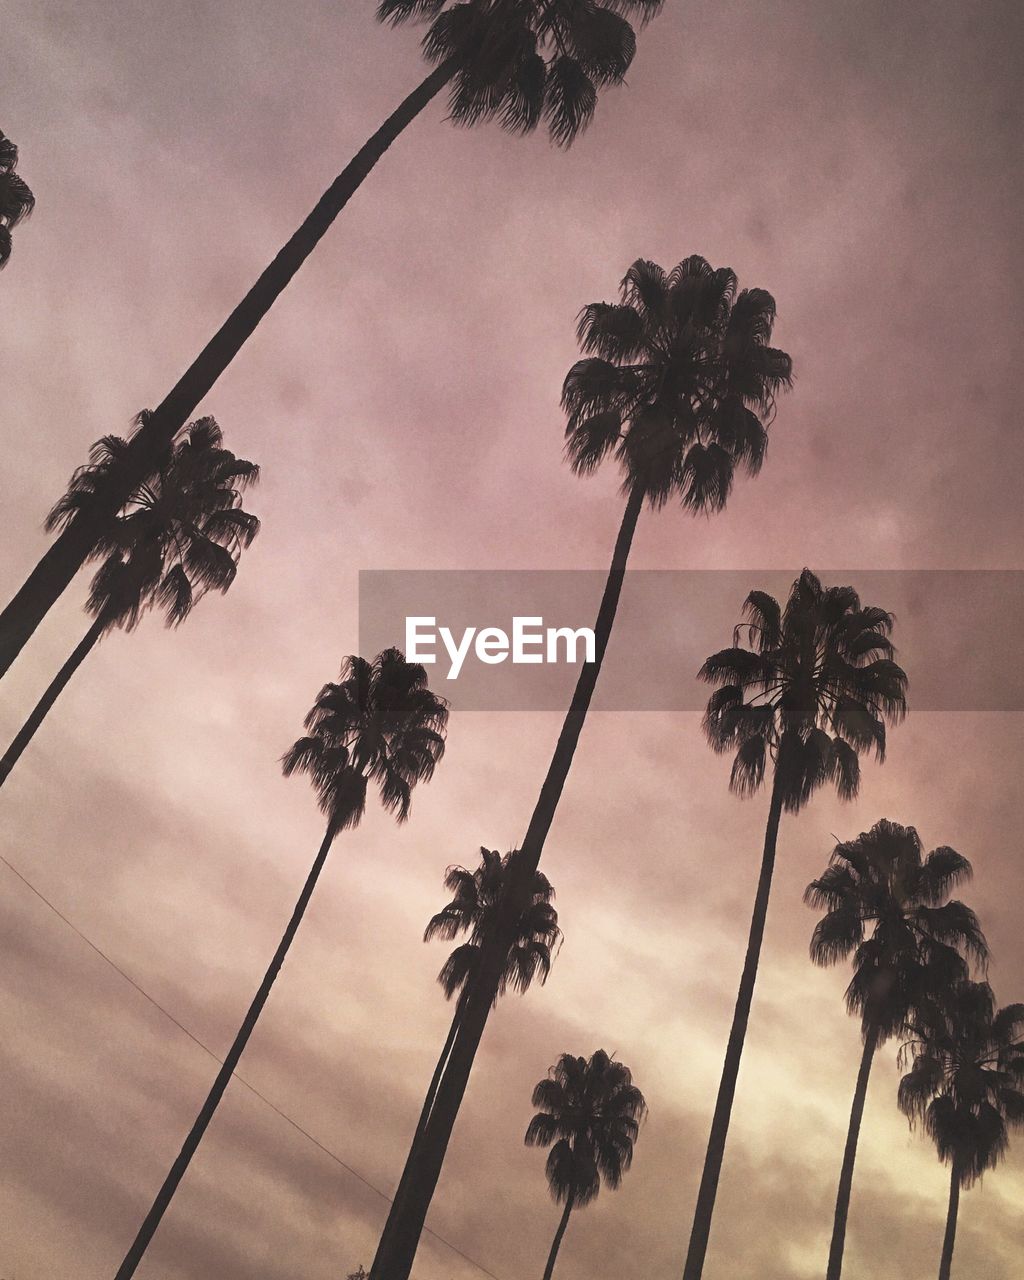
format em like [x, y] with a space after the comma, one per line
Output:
[401, 1235]
[860, 1093]
[946, 1262]
[56, 687]
[195, 1134]
[428, 1102]
[435, 1080]
[701, 1230]
[68, 552]
[556, 1243]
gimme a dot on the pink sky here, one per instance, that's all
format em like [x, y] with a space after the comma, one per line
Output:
[857, 160]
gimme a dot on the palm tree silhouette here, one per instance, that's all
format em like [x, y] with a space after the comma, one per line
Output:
[812, 687]
[179, 536]
[380, 724]
[889, 907]
[967, 1085]
[518, 62]
[477, 899]
[679, 386]
[16, 200]
[590, 1117]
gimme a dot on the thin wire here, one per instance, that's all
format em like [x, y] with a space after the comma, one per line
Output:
[206, 1049]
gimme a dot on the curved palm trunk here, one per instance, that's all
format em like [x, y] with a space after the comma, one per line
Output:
[195, 1134]
[701, 1230]
[401, 1235]
[68, 552]
[42, 708]
[946, 1262]
[860, 1093]
[557, 1242]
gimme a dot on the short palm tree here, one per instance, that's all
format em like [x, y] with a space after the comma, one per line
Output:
[379, 724]
[16, 200]
[477, 899]
[888, 906]
[803, 692]
[518, 62]
[179, 536]
[590, 1115]
[678, 385]
[966, 1083]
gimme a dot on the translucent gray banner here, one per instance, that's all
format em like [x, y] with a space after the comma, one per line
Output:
[956, 632]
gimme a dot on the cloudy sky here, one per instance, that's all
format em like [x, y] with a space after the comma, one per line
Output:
[858, 160]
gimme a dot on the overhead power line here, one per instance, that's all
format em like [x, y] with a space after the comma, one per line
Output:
[220, 1062]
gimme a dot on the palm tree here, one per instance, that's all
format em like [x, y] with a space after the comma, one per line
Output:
[678, 384]
[888, 906]
[380, 724]
[966, 1084]
[812, 688]
[180, 536]
[590, 1115]
[477, 898]
[16, 200]
[519, 62]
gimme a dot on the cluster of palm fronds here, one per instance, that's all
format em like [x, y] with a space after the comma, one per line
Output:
[16, 199]
[677, 383]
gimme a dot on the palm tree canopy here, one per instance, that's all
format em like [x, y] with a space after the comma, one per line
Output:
[888, 906]
[16, 200]
[475, 908]
[379, 723]
[591, 1112]
[967, 1079]
[180, 534]
[679, 382]
[818, 679]
[522, 62]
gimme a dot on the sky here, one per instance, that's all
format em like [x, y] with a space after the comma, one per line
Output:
[860, 161]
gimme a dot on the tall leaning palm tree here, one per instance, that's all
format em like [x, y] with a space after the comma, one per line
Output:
[379, 724]
[966, 1083]
[803, 691]
[474, 909]
[678, 386]
[522, 63]
[888, 906]
[16, 200]
[179, 536]
[590, 1115]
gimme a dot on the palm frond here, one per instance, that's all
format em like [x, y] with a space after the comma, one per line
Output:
[836, 934]
[16, 199]
[942, 871]
[398, 11]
